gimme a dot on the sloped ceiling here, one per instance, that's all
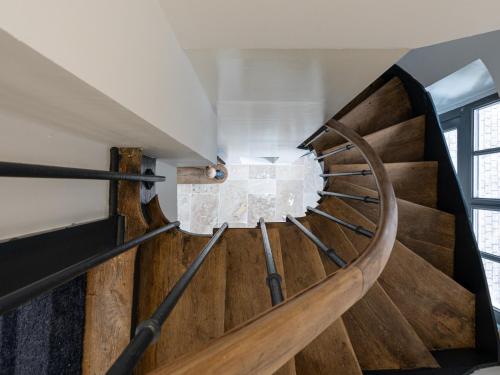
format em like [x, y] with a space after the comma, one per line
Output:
[275, 70]
[327, 24]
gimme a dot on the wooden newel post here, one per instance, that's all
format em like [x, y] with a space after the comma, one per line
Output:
[109, 296]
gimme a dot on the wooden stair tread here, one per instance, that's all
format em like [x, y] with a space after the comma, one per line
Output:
[331, 352]
[381, 336]
[198, 317]
[440, 310]
[419, 227]
[247, 293]
[388, 105]
[402, 142]
[413, 181]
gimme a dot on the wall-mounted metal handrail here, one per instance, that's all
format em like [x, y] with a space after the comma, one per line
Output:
[329, 252]
[364, 172]
[150, 329]
[8, 169]
[273, 277]
[64, 275]
[355, 228]
[362, 198]
[336, 151]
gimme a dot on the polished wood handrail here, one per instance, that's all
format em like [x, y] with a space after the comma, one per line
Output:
[267, 342]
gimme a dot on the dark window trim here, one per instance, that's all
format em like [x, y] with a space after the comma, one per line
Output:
[466, 153]
[462, 119]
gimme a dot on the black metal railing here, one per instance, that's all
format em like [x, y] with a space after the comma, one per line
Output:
[273, 277]
[366, 199]
[336, 151]
[355, 228]
[8, 169]
[22, 293]
[150, 329]
[329, 252]
[364, 172]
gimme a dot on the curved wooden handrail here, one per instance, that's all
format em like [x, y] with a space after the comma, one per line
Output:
[267, 342]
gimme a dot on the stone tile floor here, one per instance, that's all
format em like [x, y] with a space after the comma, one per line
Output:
[250, 192]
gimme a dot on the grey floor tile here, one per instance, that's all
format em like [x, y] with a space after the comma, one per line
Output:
[261, 205]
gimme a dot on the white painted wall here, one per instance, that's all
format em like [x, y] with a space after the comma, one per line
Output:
[167, 191]
[33, 205]
[80, 76]
[270, 100]
[126, 50]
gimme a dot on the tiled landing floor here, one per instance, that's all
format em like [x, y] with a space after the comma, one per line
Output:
[251, 191]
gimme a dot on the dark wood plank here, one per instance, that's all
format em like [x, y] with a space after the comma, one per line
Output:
[387, 106]
[247, 293]
[109, 295]
[402, 142]
[428, 232]
[198, 316]
[303, 267]
[439, 309]
[381, 337]
[413, 181]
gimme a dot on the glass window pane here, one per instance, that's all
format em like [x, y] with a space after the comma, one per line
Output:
[487, 229]
[487, 176]
[451, 140]
[487, 127]
[492, 271]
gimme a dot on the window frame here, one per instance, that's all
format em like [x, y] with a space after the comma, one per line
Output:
[462, 119]
[465, 146]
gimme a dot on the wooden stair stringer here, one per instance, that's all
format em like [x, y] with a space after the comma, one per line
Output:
[381, 336]
[440, 310]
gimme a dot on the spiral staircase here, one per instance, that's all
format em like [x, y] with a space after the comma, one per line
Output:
[382, 277]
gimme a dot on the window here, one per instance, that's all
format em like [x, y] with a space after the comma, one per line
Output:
[451, 140]
[472, 134]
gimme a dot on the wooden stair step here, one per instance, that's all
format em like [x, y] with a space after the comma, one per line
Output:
[388, 105]
[331, 352]
[198, 317]
[413, 181]
[247, 293]
[381, 336]
[440, 310]
[419, 227]
[402, 142]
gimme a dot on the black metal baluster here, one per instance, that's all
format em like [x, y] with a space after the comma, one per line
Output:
[365, 199]
[329, 252]
[273, 277]
[356, 228]
[336, 151]
[364, 172]
[150, 329]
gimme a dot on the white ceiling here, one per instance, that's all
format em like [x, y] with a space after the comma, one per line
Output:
[275, 70]
[269, 101]
[327, 23]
